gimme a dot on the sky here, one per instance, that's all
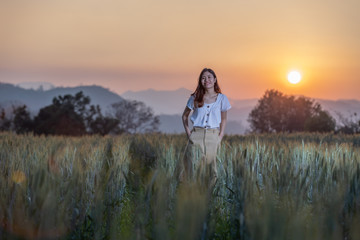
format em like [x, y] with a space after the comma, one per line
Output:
[136, 45]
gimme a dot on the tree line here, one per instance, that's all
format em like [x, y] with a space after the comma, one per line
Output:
[72, 115]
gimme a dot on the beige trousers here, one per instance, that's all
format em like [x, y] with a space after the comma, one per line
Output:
[201, 154]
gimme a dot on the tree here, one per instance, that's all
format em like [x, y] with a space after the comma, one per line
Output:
[65, 116]
[133, 117]
[5, 121]
[298, 111]
[99, 124]
[321, 121]
[276, 112]
[269, 114]
[22, 121]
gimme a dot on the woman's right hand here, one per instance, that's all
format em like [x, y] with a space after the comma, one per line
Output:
[185, 121]
[188, 133]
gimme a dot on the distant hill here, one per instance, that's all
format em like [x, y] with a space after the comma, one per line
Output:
[162, 102]
[345, 107]
[171, 124]
[36, 85]
[36, 99]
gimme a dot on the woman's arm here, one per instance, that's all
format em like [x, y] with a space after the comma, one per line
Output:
[185, 119]
[222, 124]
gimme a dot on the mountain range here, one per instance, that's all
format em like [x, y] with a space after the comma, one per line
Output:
[168, 105]
[36, 99]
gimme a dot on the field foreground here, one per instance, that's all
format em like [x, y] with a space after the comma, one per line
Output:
[298, 186]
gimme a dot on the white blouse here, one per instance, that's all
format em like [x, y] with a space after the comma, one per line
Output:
[209, 115]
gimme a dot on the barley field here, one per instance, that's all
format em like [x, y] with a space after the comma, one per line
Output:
[280, 186]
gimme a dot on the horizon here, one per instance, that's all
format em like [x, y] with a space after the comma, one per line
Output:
[127, 45]
[164, 90]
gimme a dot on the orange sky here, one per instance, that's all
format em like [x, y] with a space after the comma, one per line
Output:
[161, 44]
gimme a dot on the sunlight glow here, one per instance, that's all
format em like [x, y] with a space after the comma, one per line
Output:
[294, 77]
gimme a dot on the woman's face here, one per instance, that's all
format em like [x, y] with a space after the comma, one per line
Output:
[208, 80]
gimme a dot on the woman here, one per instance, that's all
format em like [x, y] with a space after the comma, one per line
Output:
[209, 108]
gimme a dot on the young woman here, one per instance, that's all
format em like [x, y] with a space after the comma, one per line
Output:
[209, 108]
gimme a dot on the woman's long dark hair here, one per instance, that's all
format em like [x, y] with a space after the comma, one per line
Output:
[200, 90]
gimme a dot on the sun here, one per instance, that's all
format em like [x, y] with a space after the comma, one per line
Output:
[294, 77]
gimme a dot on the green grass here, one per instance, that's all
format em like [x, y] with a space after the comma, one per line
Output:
[283, 186]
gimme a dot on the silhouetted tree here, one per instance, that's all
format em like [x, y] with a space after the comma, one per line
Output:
[276, 112]
[298, 111]
[22, 121]
[134, 117]
[268, 115]
[65, 116]
[5, 121]
[321, 121]
[99, 124]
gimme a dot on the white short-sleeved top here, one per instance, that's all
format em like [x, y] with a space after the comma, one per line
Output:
[209, 115]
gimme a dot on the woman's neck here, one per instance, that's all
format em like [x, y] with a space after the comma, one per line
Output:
[210, 91]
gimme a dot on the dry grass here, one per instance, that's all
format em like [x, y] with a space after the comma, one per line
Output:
[297, 186]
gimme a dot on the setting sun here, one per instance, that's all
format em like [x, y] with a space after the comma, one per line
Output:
[294, 77]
